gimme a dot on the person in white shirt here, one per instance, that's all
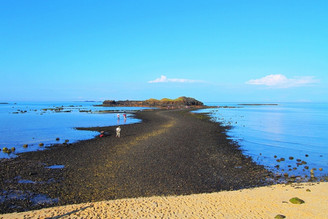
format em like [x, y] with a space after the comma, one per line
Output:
[118, 132]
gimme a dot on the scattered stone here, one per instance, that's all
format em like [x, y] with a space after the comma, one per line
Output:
[57, 139]
[32, 173]
[41, 144]
[308, 190]
[291, 158]
[306, 167]
[298, 160]
[303, 162]
[282, 159]
[320, 169]
[279, 216]
[296, 200]
[13, 149]
[66, 141]
[25, 145]
[312, 173]
[306, 155]
[275, 156]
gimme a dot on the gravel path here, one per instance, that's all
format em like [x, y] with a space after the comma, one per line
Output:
[172, 152]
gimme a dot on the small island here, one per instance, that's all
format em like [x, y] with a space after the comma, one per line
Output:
[163, 103]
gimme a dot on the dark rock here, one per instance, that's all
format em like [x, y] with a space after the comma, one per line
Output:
[279, 216]
[32, 173]
[296, 200]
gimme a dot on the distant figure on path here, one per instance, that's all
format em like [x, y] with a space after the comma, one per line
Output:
[118, 116]
[124, 115]
[118, 132]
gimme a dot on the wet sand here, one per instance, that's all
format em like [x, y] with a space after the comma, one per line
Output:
[263, 202]
[172, 152]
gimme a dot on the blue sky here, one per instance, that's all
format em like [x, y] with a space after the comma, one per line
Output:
[244, 51]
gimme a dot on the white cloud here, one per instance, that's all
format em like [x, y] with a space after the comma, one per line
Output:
[164, 79]
[281, 81]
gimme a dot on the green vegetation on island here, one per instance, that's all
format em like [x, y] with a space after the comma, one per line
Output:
[165, 102]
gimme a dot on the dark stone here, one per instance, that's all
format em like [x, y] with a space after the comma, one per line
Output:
[296, 200]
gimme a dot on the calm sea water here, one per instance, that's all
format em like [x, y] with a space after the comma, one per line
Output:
[30, 123]
[289, 130]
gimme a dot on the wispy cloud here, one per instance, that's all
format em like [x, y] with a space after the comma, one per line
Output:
[281, 81]
[164, 79]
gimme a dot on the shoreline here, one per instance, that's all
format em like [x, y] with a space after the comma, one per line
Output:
[171, 152]
[260, 202]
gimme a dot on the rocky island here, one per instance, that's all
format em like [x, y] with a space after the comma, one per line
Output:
[163, 103]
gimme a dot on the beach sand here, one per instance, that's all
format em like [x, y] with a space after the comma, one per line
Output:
[262, 202]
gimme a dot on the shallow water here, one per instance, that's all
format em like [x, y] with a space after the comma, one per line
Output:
[41, 122]
[289, 130]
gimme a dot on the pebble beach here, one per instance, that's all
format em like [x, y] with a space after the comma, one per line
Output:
[173, 155]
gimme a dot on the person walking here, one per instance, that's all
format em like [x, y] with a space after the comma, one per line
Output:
[118, 132]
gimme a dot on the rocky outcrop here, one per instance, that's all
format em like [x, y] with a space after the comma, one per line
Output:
[165, 102]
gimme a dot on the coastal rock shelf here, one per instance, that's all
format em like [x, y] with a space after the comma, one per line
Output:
[172, 152]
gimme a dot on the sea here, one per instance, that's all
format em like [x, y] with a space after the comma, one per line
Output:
[32, 123]
[287, 138]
